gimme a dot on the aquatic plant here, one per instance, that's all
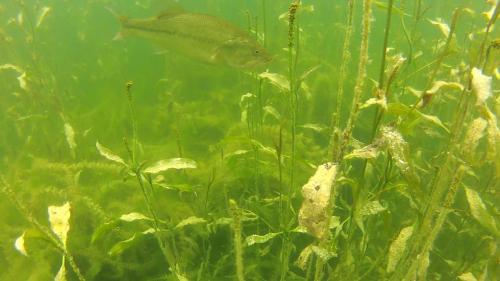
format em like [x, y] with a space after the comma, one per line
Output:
[368, 149]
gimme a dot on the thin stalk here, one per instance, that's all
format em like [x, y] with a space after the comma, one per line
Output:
[132, 121]
[264, 23]
[425, 97]
[279, 155]
[379, 114]
[168, 253]
[360, 79]
[346, 137]
[238, 245]
[491, 22]
[346, 56]
[384, 48]
[292, 63]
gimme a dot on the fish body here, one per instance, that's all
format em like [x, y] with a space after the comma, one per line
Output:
[199, 36]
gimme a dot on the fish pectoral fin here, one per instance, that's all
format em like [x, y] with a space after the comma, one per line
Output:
[226, 46]
[216, 57]
[118, 36]
[233, 42]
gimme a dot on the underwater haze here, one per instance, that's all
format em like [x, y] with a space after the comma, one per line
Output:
[214, 140]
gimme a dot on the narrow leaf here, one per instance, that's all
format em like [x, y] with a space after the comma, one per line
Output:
[467, 277]
[259, 239]
[61, 274]
[323, 253]
[121, 246]
[173, 163]
[130, 217]
[272, 111]
[278, 80]
[479, 211]
[190, 221]
[372, 208]
[19, 244]
[70, 137]
[108, 154]
[41, 16]
[315, 127]
[398, 247]
[368, 152]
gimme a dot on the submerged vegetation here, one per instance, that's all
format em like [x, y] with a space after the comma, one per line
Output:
[369, 149]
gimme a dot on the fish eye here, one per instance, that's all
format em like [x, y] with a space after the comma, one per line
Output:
[256, 52]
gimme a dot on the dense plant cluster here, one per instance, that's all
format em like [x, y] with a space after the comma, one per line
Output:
[368, 150]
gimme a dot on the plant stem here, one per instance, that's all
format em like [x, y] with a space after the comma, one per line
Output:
[132, 120]
[360, 79]
[491, 22]
[346, 137]
[293, 105]
[238, 245]
[346, 56]
[425, 97]
[384, 48]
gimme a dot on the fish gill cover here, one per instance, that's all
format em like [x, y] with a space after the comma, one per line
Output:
[249, 140]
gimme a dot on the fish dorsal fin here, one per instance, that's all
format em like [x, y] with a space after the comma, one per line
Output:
[167, 14]
[172, 9]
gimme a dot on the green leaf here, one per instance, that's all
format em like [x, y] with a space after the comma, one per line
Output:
[272, 111]
[178, 187]
[264, 148]
[61, 274]
[435, 120]
[323, 253]
[103, 229]
[173, 163]
[70, 137]
[467, 277]
[259, 239]
[19, 244]
[304, 257]
[236, 153]
[278, 80]
[224, 221]
[315, 127]
[398, 247]
[190, 221]
[121, 246]
[130, 217]
[108, 154]
[368, 152]
[412, 116]
[372, 208]
[479, 211]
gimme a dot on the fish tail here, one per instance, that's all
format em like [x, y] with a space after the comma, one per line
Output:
[122, 19]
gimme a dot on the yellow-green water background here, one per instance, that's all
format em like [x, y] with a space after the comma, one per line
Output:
[77, 75]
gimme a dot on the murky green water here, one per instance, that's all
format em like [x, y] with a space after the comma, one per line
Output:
[367, 148]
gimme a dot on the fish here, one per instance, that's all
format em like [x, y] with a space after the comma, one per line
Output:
[199, 36]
